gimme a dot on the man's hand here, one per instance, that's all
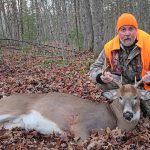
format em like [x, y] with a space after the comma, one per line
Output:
[146, 78]
[106, 77]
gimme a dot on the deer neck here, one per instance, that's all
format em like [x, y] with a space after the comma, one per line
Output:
[121, 122]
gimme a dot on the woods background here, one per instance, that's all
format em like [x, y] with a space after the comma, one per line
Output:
[36, 33]
[76, 25]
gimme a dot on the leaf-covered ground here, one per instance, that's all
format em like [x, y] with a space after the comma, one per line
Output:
[29, 74]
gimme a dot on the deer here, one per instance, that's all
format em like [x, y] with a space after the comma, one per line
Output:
[60, 112]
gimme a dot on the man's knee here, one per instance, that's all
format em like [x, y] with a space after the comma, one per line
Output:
[145, 107]
[107, 86]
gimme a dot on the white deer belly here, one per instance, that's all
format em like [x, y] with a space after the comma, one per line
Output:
[34, 120]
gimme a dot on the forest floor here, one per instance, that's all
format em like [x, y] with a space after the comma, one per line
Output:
[30, 74]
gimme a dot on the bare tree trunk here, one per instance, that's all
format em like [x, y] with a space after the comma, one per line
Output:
[38, 19]
[98, 24]
[76, 25]
[8, 28]
[65, 21]
[2, 29]
[89, 32]
[20, 5]
[15, 20]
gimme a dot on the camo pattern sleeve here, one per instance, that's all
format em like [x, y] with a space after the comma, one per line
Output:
[97, 67]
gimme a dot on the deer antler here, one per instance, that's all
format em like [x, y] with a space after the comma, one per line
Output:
[105, 67]
[137, 83]
[104, 70]
[115, 81]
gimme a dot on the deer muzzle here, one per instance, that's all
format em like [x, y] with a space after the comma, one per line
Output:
[128, 115]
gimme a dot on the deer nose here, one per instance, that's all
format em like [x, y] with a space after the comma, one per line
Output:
[128, 115]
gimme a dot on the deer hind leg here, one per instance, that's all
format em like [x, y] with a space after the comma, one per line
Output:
[15, 122]
[5, 117]
[34, 120]
[9, 121]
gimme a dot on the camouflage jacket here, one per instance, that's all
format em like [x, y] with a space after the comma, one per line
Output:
[126, 61]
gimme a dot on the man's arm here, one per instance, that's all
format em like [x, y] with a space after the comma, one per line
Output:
[97, 67]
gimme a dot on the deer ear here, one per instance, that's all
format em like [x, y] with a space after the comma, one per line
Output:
[111, 94]
[144, 95]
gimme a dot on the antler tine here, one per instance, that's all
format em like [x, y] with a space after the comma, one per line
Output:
[135, 80]
[138, 83]
[121, 79]
[105, 67]
[117, 83]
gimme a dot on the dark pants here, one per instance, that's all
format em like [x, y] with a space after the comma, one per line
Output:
[145, 107]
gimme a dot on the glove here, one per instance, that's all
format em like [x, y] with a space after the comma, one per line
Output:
[146, 78]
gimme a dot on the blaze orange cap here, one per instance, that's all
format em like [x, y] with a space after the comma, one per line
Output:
[126, 19]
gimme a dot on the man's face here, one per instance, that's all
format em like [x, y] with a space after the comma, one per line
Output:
[127, 35]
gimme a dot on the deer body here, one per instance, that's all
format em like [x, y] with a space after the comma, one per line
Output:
[54, 112]
[58, 112]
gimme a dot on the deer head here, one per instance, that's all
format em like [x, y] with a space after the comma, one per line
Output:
[127, 98]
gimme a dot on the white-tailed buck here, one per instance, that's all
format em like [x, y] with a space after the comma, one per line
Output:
[58, 112]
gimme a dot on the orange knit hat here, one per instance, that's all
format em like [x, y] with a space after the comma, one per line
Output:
[126, 19]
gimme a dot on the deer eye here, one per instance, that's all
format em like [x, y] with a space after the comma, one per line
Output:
[135, 98]
[120, 98]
